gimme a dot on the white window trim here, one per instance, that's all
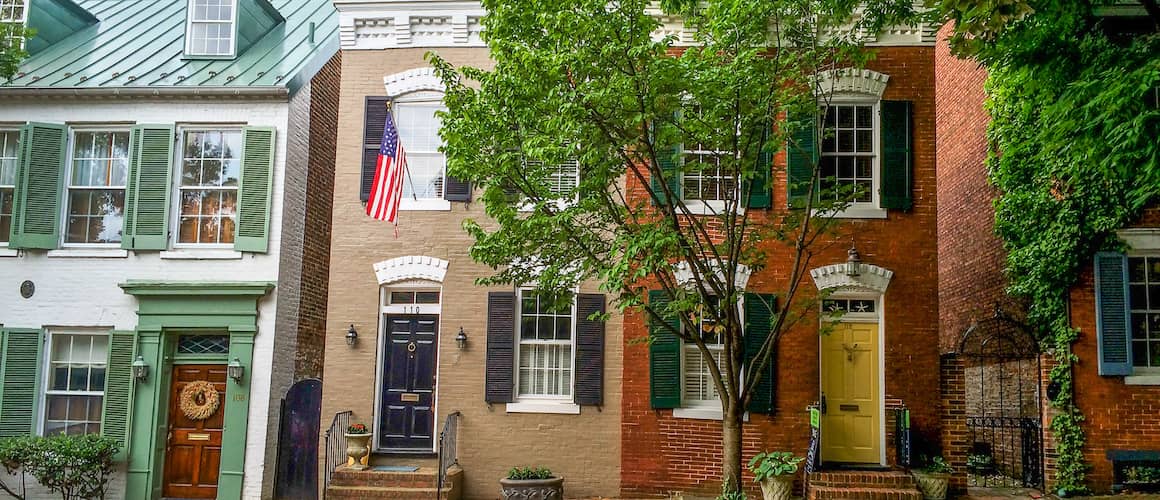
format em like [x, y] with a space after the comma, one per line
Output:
[861, 210]
[418, 95]
[559, 204]
[189, 31]
[704, 413]
[105, 251]
[542, 404]
[181, 250]
[67, 186]
[4, 250]
[704, 409]
[186, 252]
[1144, 243]
[23, 21]
[706, 207]
[46, 371]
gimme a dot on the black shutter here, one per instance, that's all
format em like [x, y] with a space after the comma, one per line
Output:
[374, 121]
[759, 309]
[1113, 313]
[499, 379]
[803, 158]
[897, 155]
[589, 350]
[664, 356]
[457, 190]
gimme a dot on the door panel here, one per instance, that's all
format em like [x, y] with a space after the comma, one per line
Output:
[851, 431]
[406, 415]
[193, 447]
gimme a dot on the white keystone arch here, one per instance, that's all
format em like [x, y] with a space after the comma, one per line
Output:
[684, 274]
[413, 80]
[850, 80]
[870, 278]
[411, 267]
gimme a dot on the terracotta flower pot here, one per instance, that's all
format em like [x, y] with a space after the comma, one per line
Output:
[532, 489]
[933, 485]
[357, 448]
[777, 487]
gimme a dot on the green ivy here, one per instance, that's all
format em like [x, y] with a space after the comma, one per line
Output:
[1074, 158]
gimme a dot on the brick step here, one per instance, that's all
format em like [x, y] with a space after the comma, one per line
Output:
[355, 492]
[863, 479]
[838, 493]
[425, 477]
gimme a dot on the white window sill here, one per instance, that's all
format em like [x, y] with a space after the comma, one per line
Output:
[706, 413]
[9, 252]
[434, 205]
[560, 407]
[1148, 379]
[854, 212]
[92, 253]
[560, 205]
[701, 207]
[202, 254]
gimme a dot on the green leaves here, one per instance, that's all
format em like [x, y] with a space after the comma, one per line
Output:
[766, 465]
[529, 473]
[74, 466]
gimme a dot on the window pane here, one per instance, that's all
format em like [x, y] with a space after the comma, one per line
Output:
[419, 133]
[1137, 270]
[5, 213]
[9, 140]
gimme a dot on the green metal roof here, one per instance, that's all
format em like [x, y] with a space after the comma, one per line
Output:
[140, 45]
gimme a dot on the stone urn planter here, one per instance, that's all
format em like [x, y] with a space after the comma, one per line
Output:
[532, 489]
[777, 487]
[358, 438]
[933, 485]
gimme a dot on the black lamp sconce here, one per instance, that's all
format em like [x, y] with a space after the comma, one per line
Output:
[461, 339]
[351, 335]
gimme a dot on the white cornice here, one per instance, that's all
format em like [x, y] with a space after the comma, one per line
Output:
[390, 24]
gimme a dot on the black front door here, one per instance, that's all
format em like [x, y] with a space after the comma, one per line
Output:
[407, 415]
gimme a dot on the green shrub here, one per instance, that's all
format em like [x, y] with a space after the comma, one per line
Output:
[529, 473]
[74, 466]
[765, 465]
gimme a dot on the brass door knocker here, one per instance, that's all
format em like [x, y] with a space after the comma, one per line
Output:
[411, 349]
[850, 351]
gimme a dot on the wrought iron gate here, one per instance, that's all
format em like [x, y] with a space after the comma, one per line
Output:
[1004, 420]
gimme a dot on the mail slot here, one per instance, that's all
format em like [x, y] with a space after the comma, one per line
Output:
[409, 397]
[197, 436]
[848, 407]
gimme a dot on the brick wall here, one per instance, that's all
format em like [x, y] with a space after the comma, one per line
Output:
[955, 439]
[584, 448]
[661, 453]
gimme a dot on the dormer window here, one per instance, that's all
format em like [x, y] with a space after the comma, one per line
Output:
[210, 29]
[13, 12]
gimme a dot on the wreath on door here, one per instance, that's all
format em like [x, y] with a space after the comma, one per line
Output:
[199, 400]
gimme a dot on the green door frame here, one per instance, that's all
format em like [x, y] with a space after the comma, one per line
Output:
[164, 310]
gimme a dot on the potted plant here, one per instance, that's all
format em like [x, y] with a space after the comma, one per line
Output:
[531, 483]
[357, 439]
[775, 471]
[933, 478]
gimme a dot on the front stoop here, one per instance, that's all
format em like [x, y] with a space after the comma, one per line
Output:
[862, 485]
[417, 485]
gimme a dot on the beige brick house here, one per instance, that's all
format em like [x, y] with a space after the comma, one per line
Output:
[408, 297]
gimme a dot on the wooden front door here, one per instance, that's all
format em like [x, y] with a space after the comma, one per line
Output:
[407, 411]
[193, 448]
[851, 431]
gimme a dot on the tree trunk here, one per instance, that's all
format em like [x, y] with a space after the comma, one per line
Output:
[731, 423]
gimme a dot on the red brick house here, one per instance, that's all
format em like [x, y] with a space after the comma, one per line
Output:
[671, 430]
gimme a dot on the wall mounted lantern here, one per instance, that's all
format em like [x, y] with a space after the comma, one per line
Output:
[461, 339]
[140, 369]
[853, 262]
[235, 370]
[351, 335]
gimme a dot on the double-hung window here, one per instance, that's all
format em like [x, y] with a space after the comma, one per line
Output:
[208, 186]
[704, 179]
[1144, 301]
[98, 171]
[699, 388]
[849, 153]
[419, 132]
[75, 387]
[545, 347]
[210, 29]
[13, 16]
[9, 145]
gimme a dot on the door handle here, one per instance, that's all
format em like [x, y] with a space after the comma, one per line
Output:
[822, 404]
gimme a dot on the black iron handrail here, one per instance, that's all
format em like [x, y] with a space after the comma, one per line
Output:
[448, 454]
[335, 446]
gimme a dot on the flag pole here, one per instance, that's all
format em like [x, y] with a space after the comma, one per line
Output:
[407, 174]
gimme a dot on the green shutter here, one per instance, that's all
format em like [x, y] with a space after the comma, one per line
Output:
[664, 357]
[147, 199]
[803, 158]
[253, 233]
[1112, 314]
[897, 155]
[761, 195]
[19, 373]
[667, 158]
[759, 309]
[119, 388]
[38, 188]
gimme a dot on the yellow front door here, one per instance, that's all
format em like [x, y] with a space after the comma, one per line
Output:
[850, 426]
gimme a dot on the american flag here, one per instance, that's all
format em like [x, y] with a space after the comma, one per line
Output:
[387, 189]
